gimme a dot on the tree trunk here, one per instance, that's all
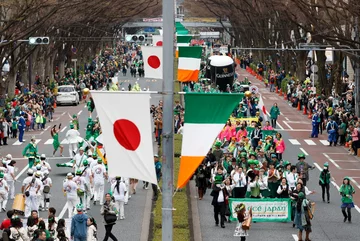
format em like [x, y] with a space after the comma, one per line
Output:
[11, 81]
[300, 65]
[322, 82]
[24, 73]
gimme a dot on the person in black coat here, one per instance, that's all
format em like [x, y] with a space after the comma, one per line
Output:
[220, 197]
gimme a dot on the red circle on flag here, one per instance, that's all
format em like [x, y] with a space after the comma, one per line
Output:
[159, 43]
[127, 134]
[153, 61]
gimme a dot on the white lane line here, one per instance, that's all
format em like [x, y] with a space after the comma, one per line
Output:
[286, 118]
[310, 142]
[355, 182]
[263, 97]
[357, 208]
[48, 158]
[37, 141]
[47, 128]
[49, 142]
[295, 130]
[295, 237]
[335, 185]
[294, 142]
[287, 125]
[302, 149]
[63, 211]
[63, 113]
[22, 171]
[299, 122]
[65, 141]
[332, 161]
[325, 142]
[79, 113]
[346, 161]
[317, 166]
[63, 129]
[282, 114]
[17, 143]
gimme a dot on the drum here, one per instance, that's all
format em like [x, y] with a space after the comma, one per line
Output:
[46, 189]
[19, 204]
[80, 193]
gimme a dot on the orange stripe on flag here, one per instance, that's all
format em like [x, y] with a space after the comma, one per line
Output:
[177, 54]
[188, 75]
[188, 166]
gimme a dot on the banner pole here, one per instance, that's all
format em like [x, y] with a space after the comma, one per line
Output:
[168, 119]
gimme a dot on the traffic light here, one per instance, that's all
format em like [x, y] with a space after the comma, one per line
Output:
[38, 40]
[135, 38]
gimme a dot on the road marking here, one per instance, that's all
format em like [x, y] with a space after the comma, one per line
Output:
[302, 149]
[335, 185]
[355, 182]
[84, 106]
[294, 130]
[79, 113]
[317, 166]
[65, 141]
[282, 128]
[47, 128]
[63, 113]
[264, 97]
[63, 211]
[299, 122]
[18, 143]
[294, 142]
[357, 208]
[282, 114]
[37, 141]
[48, 158]
[310, 142]
[332, 161]
[346, 161]
[288, 125]
[295, 237]
[49, 142]
[325, 142]
[22, 171]
[63, 129]
[351, 169]
[286, 118]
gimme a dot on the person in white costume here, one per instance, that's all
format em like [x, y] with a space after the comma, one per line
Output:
[92, 160]
[4, 191]
[30, 188]
[127, 183]
[9, 176]
[119, 192]
[99, 174]
[87, 174]
[70, 190]
[8, 158]
[45, 195]
[72, 136]
[44, 163]
[81, 190]
[78, 160]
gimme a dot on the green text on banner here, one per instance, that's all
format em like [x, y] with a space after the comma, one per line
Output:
[264, 210]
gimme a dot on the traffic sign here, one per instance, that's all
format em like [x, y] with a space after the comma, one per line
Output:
[74, 50]
[254, 89]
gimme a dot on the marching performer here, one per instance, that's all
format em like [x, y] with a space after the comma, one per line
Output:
[315, 125]
[31, 151]
[30, 188]
[80, 182]
[126, 181]
[70, 190]
[347, 191]
[72, 137]
[119, 192]
[4, 191]
[79, 159]
[45, 165]
[99, 174]
[8, 158]
[242, 217]
[9, 176]
[86, 173]
[56, 144]
[75, 121]
[45, 197]
[89, 128]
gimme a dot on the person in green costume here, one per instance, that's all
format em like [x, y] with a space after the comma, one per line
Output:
[89, 129]
[96, 129]
[90, 106]
[346, 191]
[31, 151]
[56, 144]
[273, 180]
[75, 121]
[324, 182]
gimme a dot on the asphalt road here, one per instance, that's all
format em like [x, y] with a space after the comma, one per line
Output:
[138, 209]
[328, 220]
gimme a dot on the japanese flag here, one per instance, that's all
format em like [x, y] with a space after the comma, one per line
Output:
[126, 132]
[157, 40]
[153, 62]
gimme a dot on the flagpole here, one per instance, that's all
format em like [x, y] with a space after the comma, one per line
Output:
[168, 119]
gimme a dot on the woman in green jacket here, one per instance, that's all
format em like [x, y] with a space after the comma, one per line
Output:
[274, 113]
[346, 192]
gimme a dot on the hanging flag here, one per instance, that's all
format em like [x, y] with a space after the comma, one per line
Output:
[182, 41]
[203, 123]
[126, 130]
[157, 40]
[262, 108]
[161, 32]
[152, 61]
[189, 63]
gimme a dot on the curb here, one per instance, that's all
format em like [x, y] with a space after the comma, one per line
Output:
[195, 224]
[146, 227]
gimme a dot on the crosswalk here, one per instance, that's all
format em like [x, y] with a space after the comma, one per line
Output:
[308, 142]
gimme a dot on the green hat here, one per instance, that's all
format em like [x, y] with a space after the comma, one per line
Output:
[86, 162]
[218, 144]
[251, 162]
[301, 155]
[243, 154]
[99, 160]
[94, 154]
[79, 207]
[218, 179]
[347, 178]
[89, 119]
[285, 163]
[256, 162]
[252, 154]
[71, 125]
[301, 195]
[273, 155]
[1, 175]
[326, 164]
[37, 160]
[78, 172]
[74, 115]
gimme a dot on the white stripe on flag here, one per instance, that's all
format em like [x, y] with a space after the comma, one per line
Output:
[189, 63]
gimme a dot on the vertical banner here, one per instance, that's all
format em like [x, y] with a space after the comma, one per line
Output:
[264, 210]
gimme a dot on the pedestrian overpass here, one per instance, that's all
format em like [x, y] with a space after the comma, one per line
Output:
[138, 24]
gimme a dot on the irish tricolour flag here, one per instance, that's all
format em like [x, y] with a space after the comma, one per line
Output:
[189, 63]
[205, 116]
[182, 41]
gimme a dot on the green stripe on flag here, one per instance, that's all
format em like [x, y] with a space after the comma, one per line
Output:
[206, 108]
[190, 52]
[183, 39]
[182, 32]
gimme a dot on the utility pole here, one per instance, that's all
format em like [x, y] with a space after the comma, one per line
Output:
[168, 119]
[30, 70]
[357, 71]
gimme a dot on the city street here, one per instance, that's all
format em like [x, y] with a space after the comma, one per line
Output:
[137, 212]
